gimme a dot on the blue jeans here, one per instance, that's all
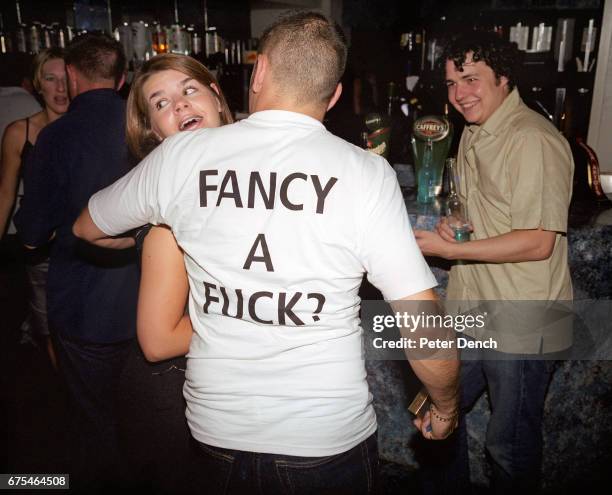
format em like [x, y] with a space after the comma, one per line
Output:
[233, 472]
[517, 389]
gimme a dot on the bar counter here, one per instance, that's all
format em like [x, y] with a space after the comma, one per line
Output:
[578, 410]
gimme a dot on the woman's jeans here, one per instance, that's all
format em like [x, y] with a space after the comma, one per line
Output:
[225, 471]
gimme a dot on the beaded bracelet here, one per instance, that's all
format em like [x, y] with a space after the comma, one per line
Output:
[447, 419]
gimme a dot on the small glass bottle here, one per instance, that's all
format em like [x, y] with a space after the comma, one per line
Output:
[455, 210]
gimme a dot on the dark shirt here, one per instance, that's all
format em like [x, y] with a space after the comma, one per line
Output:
[27, 146]
[91, 292]
[39, 255]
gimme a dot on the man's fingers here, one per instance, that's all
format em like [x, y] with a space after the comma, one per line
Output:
[448, 237]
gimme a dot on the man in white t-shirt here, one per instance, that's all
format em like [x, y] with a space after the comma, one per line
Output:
[278, 220]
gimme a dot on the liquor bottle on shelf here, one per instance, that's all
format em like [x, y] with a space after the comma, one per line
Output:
[160, 43]
[400, 112]
[140, 43]
[196, 43]
[378, 133]
[587, 186]
[394, 120]
[58, 37]
[455, 211]
[20, 39]
[123, 34]
[5, 41]
[34, 42]
[410, 45]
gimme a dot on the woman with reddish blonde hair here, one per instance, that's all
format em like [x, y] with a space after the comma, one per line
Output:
[148, 119]
[171, 94]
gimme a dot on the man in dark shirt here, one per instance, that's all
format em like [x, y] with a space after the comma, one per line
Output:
[92, 293]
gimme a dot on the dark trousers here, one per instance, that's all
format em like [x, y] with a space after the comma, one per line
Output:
[235, 472]
[517, 389]
[91, 373]
[155, 439]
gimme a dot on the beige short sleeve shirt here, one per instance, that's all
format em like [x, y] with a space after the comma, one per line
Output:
[515, 173]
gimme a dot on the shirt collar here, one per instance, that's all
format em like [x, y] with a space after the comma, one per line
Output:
[496, 123]
[92, 96]
[284, 116]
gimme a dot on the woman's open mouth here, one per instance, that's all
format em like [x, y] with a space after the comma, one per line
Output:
[190, 123]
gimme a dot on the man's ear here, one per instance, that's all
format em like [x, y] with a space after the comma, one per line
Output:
[503, 80]
[72, 79]
[259, 73]
[217, 93]
[335, 97]
[121, 82]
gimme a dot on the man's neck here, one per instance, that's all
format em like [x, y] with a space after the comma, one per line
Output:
[278, 103]
[85, 86]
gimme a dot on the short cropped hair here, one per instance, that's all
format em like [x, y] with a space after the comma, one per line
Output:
[140, 137]
[97, 56]
[501, 56]
[40, 60]
[307, 54]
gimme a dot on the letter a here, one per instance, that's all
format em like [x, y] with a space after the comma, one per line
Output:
[261, 239]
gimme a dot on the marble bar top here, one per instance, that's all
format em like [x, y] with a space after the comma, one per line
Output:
[578, 411]
[581, 215]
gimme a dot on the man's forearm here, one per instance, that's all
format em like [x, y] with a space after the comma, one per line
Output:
[86, 229]
[438, 372]
[513, 247]
[441, 379]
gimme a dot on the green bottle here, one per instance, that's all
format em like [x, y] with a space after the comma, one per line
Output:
[378, 134]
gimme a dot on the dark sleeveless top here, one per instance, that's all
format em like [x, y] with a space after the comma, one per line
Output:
[41, 254]
[27, 146]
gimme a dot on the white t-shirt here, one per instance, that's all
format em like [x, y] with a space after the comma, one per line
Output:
[278, 219]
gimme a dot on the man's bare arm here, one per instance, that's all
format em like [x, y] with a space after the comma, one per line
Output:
[513, 247]
[439, 376]
[85, 228]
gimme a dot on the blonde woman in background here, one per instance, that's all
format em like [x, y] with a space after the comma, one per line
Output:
[19, 138]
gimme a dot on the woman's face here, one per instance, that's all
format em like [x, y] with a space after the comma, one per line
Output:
[53, 86]
[176, 103]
